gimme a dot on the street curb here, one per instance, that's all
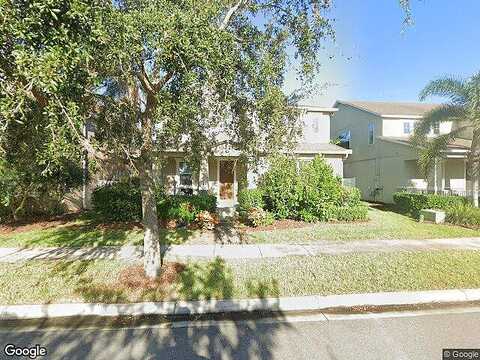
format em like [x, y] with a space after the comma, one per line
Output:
[283, 304]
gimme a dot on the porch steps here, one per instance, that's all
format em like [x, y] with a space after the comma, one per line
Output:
[226, 212]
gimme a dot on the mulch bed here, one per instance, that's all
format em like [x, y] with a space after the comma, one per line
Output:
[279, 225]
[44, 223]
[37, 223]
[134, 278]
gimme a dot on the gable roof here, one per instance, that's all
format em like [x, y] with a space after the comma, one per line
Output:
[456, 144]
[320, 148]
[391, 109]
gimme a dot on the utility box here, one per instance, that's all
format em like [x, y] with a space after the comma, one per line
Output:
[435, 216]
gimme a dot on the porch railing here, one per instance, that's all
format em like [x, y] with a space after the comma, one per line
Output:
[454, 192]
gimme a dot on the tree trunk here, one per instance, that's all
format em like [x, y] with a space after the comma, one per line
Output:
[475, 193]
[151, 245]
[474, 162]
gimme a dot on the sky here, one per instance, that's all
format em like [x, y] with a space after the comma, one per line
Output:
[377, 57]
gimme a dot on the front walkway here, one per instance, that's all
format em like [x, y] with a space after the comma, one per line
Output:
[260, 251]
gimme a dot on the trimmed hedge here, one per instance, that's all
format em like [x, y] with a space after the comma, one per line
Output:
[118, 202]
[123, 202]
[412, 203]
[465, 215]
[351, 213]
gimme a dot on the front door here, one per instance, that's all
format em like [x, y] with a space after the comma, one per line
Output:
[227, 180]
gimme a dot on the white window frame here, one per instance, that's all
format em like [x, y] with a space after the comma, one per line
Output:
[407, 124]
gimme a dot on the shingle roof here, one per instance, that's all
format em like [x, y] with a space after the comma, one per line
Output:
[392, 108]
[457, 144]
[319, 148]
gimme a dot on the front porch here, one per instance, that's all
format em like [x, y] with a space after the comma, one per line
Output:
[220, 175]
[448, 177]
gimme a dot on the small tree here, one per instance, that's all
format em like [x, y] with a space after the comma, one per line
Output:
[463, 111]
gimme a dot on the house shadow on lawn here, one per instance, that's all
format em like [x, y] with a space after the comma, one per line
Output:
[84, 230]
[227, 339]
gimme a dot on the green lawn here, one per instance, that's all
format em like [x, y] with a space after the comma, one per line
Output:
[84, 231]
[97, 281]
[383, 224]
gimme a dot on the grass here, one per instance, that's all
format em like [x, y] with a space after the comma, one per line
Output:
[97, 281]
[384, 224]
[85, 231]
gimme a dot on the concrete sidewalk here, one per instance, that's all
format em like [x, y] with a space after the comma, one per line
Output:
[282, 304]
[257, 251]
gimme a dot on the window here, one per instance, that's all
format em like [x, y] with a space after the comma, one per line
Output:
[436, 128]
[344, 139]
[185, 174]
[407, 127]
[371, 133]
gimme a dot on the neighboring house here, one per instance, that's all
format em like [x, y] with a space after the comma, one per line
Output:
[224, 174]
[383, 159]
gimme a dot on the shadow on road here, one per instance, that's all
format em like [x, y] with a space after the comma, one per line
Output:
[239, 339]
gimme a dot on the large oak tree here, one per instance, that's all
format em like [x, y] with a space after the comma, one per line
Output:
[153, 75]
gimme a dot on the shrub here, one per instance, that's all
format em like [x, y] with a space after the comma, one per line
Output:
[413, 203]
[122, 202]
[351, 213]
[307, 216]
[280, 186]
[351, 196]
[185, 207]
[259, 217]
[118, 202]
[320, 189]
[250, 198]
[465, 215]
[206, 220]
[311, 193]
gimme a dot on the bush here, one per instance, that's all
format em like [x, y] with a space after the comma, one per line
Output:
[184, 207]
[118, 202]
[206, 220]
[465, 215]
[280, 186]
[307, 216]
[259, 217]
[122, 202]
[320, 190]
[249, 199]
[311, 193]
[413, 203]
[351, 213]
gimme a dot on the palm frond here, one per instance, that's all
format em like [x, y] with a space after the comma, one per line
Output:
[441, 114]
[452, 88]
[435, 148]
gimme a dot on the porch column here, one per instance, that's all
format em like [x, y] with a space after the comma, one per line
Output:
[203, 174]
[444, 165]
[435, 176]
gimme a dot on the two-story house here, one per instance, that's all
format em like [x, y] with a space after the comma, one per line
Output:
[383, 159]
[225, 174]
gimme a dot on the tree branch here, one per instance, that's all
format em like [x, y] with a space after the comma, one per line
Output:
[87, 145]
[163, 81]
[144, 80]
[229, 14]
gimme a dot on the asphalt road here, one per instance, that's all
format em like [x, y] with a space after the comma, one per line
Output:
[402, 335]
